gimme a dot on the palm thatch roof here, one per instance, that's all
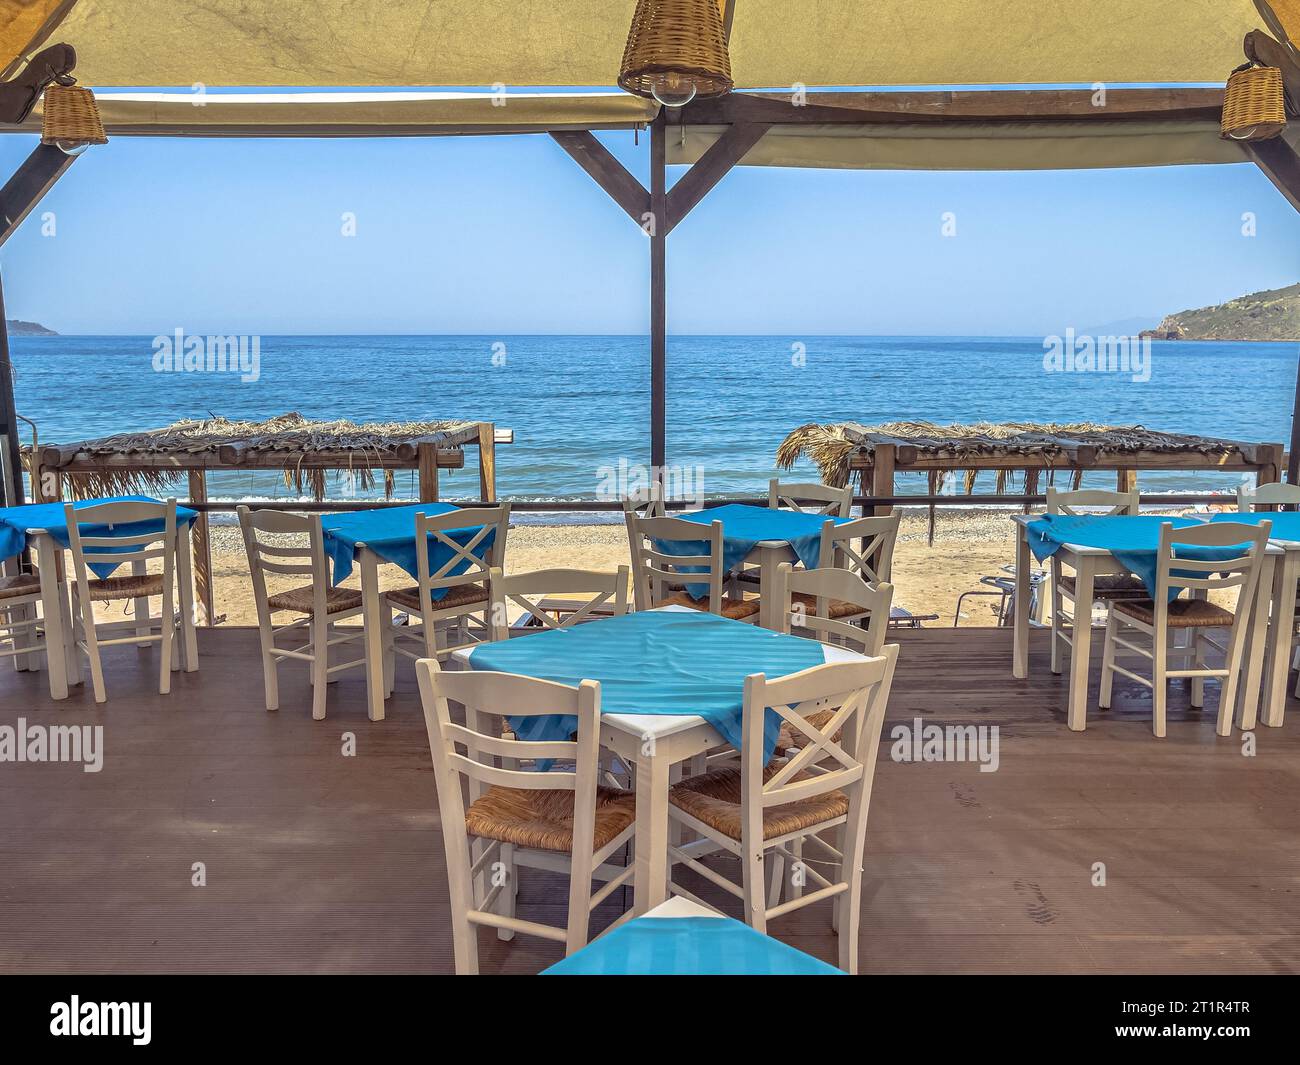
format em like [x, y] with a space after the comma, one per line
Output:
[154, 459]
[833, 446]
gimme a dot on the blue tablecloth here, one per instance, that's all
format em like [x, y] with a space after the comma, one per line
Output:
[688, 946]
[744, 528]
[16, 522]
[1133, 540]
[390, 533]
[676, 662]
[1286, 523]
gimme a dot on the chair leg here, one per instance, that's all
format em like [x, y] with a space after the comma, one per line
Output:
[1228, 693]
[775, 875]
[390, 656]
[849, 914]
[1198, 662]
[1058, 601]
[506, 905]
[755, 885]
[166, 636]
[1159, 680]
[1108, 662]
[91, 641]
[797, 873]
[320, 665]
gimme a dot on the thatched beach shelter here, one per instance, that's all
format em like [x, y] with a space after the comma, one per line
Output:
[305, 452]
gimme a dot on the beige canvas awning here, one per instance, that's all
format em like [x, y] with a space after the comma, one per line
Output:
[976, 145]
[360, 114]
[774, 43]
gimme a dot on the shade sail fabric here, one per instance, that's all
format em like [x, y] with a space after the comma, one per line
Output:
[774, 43]
[968, 145]
[359, 114]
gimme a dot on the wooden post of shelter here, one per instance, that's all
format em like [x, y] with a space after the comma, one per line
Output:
[201, 539]
[428, 472]
[487, 461]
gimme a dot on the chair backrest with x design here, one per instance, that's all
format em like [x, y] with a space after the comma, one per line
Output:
[473, 540]
[556, 598]
[865, 546]
[825, 498]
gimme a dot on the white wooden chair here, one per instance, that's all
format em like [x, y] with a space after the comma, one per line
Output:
[864, 546]
[753, 812]
[555, 598]
[559, 820]
[137, 551]
[824, 498]
[814, 602]
[659, 579]
[1106, 586]
[645, 502]
[1272, 494]
[1157, 618]
[321, 605]
[463, 609]
[20, 635]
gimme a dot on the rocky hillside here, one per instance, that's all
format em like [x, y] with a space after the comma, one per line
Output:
[28, 329]
[1271, 315]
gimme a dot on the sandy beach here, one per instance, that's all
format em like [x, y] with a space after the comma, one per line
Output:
[927, 577]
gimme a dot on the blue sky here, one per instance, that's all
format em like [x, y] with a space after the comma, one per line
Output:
[506, 235]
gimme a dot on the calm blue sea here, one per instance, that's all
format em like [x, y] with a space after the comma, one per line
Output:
[580, 403]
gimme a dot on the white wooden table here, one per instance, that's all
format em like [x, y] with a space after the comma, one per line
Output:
[768, 556]
[654, 743]
[1088, 563]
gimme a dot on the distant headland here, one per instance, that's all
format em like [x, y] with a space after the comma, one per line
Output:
[19, 328]
[1270, 315]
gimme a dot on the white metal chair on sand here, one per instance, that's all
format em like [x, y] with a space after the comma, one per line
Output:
[322, 607]
[560, 820]
[171, 629]
[1157, 619]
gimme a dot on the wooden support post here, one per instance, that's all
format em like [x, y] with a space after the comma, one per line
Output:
[882, 476]
[201, 544]
[658, 295]
[11, 461]
[1125, 480]
[428, 475]
[487, 461]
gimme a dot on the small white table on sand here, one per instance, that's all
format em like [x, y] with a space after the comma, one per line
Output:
[654, 743]
[1090, 562]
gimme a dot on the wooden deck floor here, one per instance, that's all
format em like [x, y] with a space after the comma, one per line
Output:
[319, 862]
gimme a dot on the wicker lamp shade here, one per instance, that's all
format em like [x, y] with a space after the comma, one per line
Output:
[71, 118]
[676, 52]
[1254, 108]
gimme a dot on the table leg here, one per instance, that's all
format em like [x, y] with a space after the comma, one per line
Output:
[185, 582]
[371, 611]
[1081, 637]
[768, 563]
[1020, 620]
[1256, 639]
[57, 649]
[1286, 573]
[651, 876]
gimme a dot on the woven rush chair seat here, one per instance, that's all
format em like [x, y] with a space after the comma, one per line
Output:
[543, 820]
[1109, 586]
[134, 586]
[303, 600]
[714, 798]
[461, 595]
[1183, 613]
[20, 584]
[838, 608]
[790, 738]
[736, 609]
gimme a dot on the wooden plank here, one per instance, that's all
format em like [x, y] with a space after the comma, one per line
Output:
[606, 171]
[1280, 164]
[712, 167]
[79, 461]
[658, 296]
[487, 462]
[882, 476]
[201, 545]
[428, 477]
[317, 863]
[30, 182]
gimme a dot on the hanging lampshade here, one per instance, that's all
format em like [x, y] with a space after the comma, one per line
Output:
[676, 52]
[1253, 104]
[70, 118]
